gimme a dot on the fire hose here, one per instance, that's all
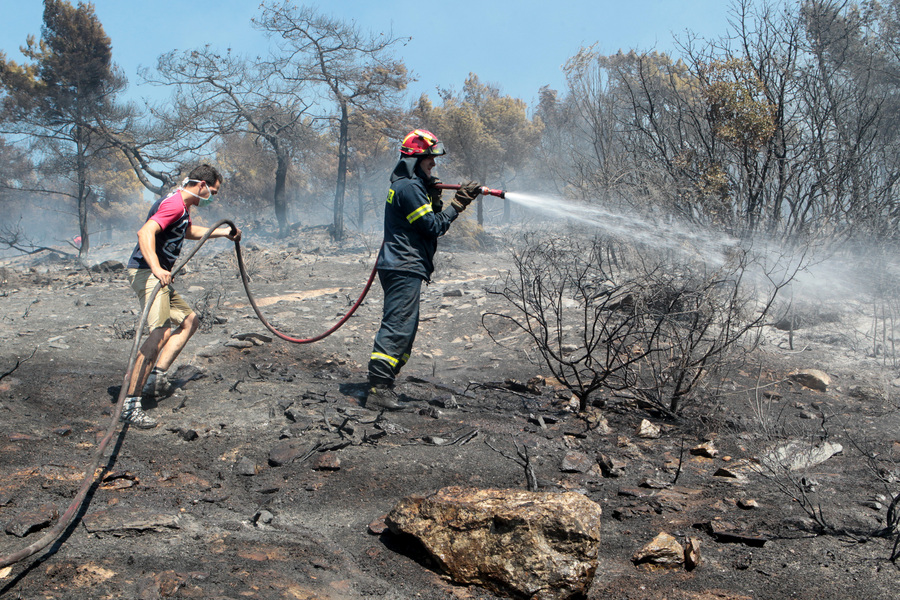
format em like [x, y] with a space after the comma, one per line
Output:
[91, 473]
[483, 190]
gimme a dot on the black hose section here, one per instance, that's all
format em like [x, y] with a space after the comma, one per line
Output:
[92, 472]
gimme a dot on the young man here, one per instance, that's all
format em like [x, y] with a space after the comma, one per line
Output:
[413, 221]
[159, 245]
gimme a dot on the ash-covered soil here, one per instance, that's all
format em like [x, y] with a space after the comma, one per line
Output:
[266, 472]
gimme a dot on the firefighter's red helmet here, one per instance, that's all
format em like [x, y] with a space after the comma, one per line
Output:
[421, 142]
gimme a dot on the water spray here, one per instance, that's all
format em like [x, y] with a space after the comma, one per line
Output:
[483, 190]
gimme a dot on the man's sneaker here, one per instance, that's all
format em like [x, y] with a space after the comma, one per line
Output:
[382, 398]
[133, 414]
[157, 385]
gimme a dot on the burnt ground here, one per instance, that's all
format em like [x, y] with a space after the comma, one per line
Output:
[197, 507]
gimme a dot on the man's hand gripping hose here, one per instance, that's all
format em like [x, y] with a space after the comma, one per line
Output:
[94, 471]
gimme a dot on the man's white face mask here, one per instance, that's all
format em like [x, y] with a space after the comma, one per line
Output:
[203, 201]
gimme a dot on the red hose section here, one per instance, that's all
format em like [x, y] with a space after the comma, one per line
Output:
[483, 190]
[292, 339]
[92, 472]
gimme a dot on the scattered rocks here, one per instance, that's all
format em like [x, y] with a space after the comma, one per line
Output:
[692, 554]
[814, 379]
[246, 467]
[327, 461]
[378, 526]
[706, 449]
[611, 466]
[799, 455]
[648, 431]
[512, 542]
[28, 522]
[286, 452]
[663, 551]
[127, 521]
[576, 462]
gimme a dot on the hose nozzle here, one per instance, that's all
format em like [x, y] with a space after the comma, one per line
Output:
[484, 190]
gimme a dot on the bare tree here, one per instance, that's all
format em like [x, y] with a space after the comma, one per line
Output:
[355, 70]
[219, 94]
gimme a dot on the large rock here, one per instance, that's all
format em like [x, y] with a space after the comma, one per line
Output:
[522, 544]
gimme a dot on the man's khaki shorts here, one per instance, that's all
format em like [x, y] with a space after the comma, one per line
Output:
[167, 307]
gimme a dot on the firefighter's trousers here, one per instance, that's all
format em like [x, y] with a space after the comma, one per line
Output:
[399, 323]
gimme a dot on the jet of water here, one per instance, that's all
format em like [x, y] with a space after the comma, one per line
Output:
[707, 246]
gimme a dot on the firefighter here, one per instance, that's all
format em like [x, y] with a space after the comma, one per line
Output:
[414, 218]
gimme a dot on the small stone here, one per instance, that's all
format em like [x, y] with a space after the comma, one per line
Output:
[654, 484]
[692, 554]
[663, 551]
[430, 411]
[576, 462]
[445, 401]
[611, 466]
[31, 521]
[241, 344]
[246, 467]
[264, 517]
[648, 430]
[327, 461]
[730, 473]
[707, 449]
[128, 521]
[378, 526]
[747, 504]
[285, 453]
[188, 435]
[294, 414]
[814, 379]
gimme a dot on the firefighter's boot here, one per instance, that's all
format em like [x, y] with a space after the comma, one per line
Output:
[382, 397]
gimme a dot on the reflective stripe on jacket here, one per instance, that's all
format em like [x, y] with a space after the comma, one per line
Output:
[411, 227]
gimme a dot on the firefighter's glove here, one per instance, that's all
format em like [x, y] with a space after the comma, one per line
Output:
[434, 194]
[466, 193]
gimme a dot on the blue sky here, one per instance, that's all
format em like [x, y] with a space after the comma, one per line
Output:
[518, 45]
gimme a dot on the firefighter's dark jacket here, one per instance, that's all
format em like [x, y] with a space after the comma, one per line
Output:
[411, 227]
